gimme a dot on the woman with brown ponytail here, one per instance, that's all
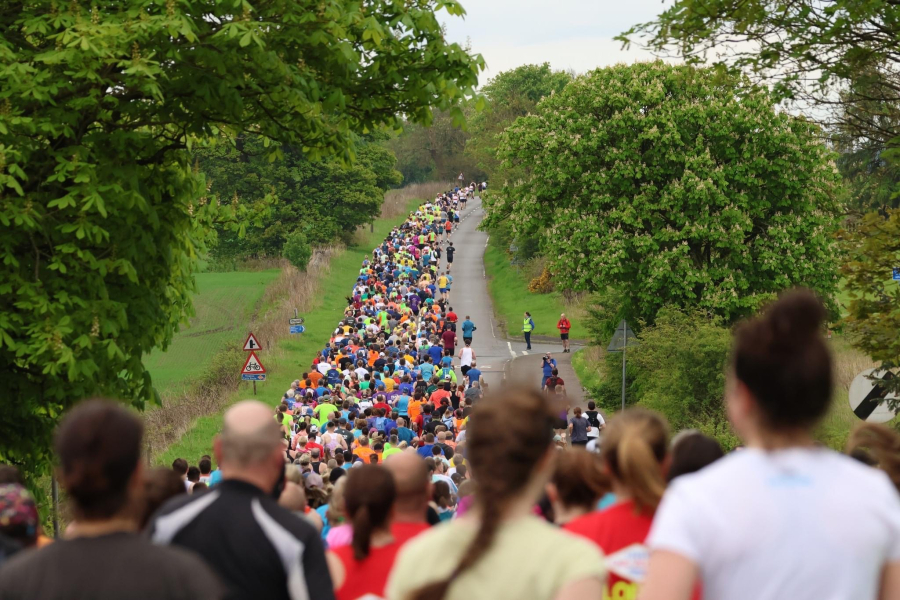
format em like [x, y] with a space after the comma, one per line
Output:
[362, 568]
[782, 518]
[633, 450]
[499, 549]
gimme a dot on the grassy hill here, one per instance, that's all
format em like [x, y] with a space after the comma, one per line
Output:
[223, 304]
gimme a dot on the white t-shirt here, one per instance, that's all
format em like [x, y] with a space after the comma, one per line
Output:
[465, 357]
[801, 523]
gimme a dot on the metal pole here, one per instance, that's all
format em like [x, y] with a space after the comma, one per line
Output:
[254, 387]
[54, 493]
[624, 347]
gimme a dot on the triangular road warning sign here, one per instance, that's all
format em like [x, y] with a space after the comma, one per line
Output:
[252, 343]
[252, 365]
[622, 338]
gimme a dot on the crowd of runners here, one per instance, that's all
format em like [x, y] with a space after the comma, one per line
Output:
[389, 470]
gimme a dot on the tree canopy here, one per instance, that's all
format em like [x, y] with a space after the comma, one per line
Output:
[324, 200]
[511, 94]
[829, 52]
[673, 187]
[103, 216]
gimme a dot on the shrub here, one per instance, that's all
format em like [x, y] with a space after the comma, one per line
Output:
[297, 250]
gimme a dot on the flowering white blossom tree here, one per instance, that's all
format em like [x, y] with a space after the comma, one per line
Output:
[673, 186]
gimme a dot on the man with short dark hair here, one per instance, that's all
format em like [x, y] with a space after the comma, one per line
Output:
[258, 548]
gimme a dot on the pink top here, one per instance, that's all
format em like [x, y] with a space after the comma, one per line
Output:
[342, 535]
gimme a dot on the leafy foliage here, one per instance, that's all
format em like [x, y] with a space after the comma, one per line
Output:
[436, 152]
[678, 369]
[873, 251]
[805, 49]
[101, 214]
[681, 362]
[324, 200]
[510, 95]
[673, 187]
[297, 250]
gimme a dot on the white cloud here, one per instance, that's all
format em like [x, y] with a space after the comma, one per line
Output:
[569, 34]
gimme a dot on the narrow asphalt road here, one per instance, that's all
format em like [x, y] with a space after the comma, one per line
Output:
[500, 359]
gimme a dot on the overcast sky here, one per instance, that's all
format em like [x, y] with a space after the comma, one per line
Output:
[569, 34]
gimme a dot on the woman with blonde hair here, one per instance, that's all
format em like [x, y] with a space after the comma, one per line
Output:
[633, 451]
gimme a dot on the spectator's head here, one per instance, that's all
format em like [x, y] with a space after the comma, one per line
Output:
[180, 466]
[199, 488]
[99, 450]
[691, 451]
[578, 483]
[413, 486]
[429, 438]
[634, 448]
[193, 474]
[250, 446]
[293, 498]
[877, 446]
[205, 466]
[18, 514]
[11, 474]
[160, 484]
[781, 381]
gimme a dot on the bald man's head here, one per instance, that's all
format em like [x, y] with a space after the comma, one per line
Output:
[412, 479]
[249, 434]
[293, 497]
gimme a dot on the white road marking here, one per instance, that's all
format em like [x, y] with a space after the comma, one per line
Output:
[525, 352]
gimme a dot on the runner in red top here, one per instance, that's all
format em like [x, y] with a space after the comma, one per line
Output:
[564, 325]
[449, 339]
[362, 568]
[634, 448]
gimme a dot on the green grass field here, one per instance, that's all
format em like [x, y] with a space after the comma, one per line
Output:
[224, 303]
[298, 351]
[508, 287]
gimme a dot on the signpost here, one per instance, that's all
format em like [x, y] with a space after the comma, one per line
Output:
[253, 371]
[297, 328]
[869, 400]
[298, 321]
[251, 344]
[620, 342]
[896, 274]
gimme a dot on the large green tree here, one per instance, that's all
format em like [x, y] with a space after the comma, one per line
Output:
[101, 214]
[509, 95]
[674, 187]
[325, 200]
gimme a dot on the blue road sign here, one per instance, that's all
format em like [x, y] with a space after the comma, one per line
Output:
[896, 274]
[297, 328]
[253, 376]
